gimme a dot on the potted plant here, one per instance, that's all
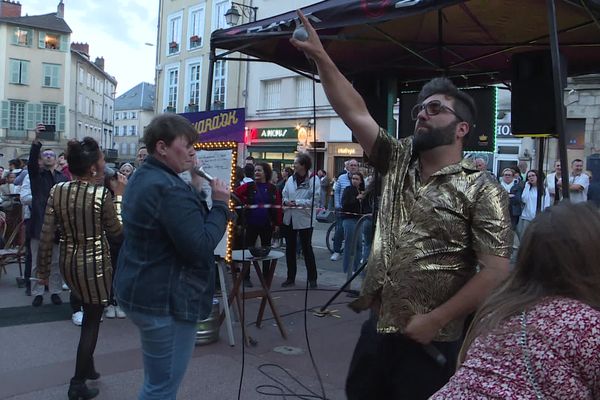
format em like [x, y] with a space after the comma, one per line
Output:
[195, 38]
[173, 45]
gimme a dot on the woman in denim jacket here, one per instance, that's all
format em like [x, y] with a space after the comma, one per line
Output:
[165, 276]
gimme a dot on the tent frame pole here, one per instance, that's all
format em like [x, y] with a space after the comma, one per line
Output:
[559, 108]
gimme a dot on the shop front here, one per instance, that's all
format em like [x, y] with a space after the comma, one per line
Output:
[339, 153]
[277, 146]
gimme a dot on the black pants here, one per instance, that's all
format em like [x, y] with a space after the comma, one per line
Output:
[290, 251]
[266, 234]
[393, 367]
[84, 365]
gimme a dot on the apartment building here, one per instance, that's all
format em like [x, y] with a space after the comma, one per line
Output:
[278, 102]
[133, 111]
[34, 76]
[93, 97]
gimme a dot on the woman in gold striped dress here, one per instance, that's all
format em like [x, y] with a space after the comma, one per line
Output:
[83, 212]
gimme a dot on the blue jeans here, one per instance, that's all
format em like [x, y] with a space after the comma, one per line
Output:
[367, 234]
[167, 346]
[349, 229]
[339, 231]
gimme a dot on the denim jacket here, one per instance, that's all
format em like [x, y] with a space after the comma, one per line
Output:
[166, 264]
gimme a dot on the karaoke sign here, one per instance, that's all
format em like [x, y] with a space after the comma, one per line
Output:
[219, 125]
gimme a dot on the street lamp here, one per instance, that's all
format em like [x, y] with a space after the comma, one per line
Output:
[232, 16]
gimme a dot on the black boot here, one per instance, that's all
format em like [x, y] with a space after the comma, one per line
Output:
[79, 391]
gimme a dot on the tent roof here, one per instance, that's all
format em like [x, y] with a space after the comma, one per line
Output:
[414, 40]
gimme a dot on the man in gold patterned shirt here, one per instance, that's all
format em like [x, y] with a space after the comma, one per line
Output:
[443, 218]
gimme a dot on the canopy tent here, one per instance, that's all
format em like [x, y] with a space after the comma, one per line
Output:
[414, 40]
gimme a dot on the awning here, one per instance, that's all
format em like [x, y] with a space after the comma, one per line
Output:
[415, 40]
[282, 148]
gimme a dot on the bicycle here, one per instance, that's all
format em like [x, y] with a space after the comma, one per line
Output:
[329, 238]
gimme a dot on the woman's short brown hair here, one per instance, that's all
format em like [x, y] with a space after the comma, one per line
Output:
[168, 127]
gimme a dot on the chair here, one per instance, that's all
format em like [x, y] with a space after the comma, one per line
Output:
[14, 249]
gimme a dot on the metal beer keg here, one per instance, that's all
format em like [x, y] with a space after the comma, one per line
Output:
[207, 330]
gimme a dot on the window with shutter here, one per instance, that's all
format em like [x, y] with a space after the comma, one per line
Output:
[4, 113]
[60, 119]
[22, 36]
[51, 75]
[19, 72]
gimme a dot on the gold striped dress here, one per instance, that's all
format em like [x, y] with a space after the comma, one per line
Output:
[84, 214]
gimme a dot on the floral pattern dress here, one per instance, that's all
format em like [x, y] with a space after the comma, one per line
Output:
[563, 338]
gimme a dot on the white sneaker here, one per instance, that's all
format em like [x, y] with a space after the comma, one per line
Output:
[120, 313]
[335, 257]
[65, 286]
[110, 312]
[77, 318]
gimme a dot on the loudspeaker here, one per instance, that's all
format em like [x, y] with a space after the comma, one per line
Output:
[532, 99]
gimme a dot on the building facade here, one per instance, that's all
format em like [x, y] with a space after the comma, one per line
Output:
[34, 78]
[277, 101]
[133, 111]
[93, 96]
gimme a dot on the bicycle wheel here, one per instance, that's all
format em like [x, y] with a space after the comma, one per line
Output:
[329, 237]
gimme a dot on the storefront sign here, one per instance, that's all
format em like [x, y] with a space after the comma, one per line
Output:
[219, 125]
[347, 151]
[275, 133]
[503, 131]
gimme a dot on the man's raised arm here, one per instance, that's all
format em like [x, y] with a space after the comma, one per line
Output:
[344, 99]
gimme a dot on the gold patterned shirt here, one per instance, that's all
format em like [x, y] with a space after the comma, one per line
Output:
[428, 235]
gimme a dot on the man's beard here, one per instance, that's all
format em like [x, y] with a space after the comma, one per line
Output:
[427, 138]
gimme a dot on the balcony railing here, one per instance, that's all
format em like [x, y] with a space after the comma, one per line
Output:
[16, 134]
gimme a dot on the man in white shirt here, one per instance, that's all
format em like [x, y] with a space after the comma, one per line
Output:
[579, 182]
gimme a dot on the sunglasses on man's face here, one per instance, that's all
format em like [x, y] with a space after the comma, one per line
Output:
[434, 107]
[49, 154]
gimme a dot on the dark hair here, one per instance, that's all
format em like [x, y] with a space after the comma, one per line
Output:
[540, 178]
[558, 256]
[267, 170]
[239, 175]
[249, 158]
[289, 171]
[576, 160]
[362, 180]
[61, 155]
[81, 155]
[16, 162]
[248, 170]
[304, 160]
[464, 105]
[167, 127]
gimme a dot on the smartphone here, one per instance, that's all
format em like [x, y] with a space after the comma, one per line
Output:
[50, 128]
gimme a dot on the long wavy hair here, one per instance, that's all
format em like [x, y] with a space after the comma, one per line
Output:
[558, 256]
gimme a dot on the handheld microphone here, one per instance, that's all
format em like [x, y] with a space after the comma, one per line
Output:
[203, 174]
[109, 172]
[300, 34]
